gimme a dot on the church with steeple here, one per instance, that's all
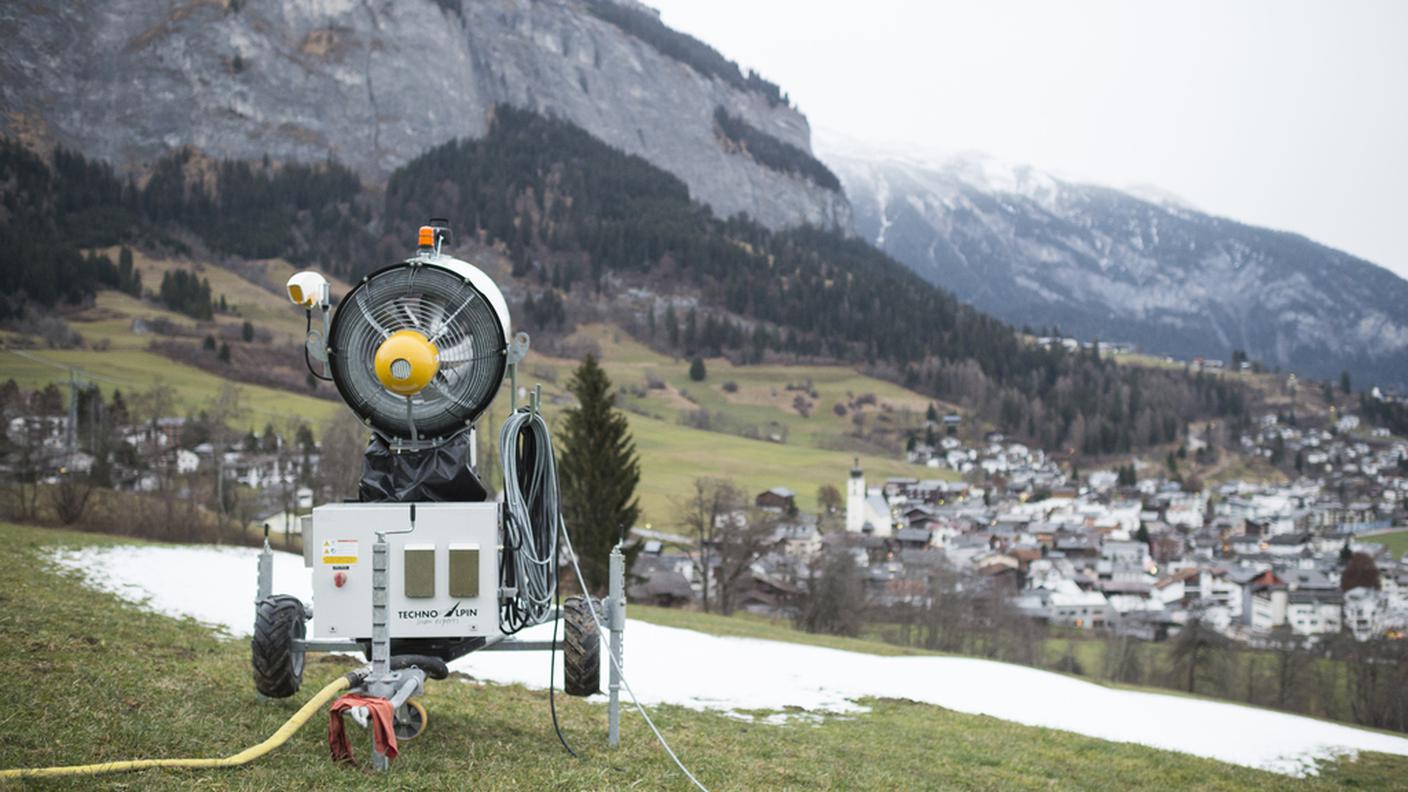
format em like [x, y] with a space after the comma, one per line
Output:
[866, 510]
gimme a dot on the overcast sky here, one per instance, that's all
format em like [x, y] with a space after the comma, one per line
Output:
[1288, 114]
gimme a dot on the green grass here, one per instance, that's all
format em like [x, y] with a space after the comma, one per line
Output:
[247, 300]
[1395, 541]
[760, 397]
[674, 455]
[90, 678]
[134, 370]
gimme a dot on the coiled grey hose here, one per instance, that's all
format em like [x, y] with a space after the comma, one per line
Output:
[529, 512]
[532, 520]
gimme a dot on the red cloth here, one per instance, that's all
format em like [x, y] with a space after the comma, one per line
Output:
[382, 723]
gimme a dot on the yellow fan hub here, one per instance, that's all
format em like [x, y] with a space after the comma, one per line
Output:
[406, 362]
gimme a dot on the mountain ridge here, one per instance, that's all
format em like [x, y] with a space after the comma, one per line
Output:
[1096, 261]
[348, 80]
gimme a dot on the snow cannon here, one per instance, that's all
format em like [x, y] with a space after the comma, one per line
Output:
[426, 565]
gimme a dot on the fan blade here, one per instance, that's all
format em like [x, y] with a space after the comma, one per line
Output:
[371, 320]
[436, 332]
[461, 352]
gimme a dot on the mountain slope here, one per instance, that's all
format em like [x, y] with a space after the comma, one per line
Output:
[1098, 262]
[373, 83]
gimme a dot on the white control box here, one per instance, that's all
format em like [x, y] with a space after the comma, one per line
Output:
[443, 577]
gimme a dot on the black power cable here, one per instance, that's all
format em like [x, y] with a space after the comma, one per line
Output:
[552, 662]
[307, 359]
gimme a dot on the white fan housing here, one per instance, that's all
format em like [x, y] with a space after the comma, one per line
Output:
[458, 309]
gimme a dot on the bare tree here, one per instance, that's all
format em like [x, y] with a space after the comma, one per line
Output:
[154, 403]
[29, 466]
[835, 596]
[343, 444]
[1376, 680]
[728, 537]
[1122, 659]
[225, 414]
[168, 520]
[70, 497]
[1292, 660]
[1193, 649]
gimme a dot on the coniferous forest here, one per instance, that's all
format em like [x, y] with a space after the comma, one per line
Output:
[576, 216]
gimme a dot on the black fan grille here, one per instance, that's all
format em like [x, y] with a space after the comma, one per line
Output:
[447, 310]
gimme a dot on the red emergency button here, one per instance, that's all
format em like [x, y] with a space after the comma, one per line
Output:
[339, 579]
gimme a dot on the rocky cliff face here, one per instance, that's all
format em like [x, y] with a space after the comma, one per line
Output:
[373, 83]
[1098, 262]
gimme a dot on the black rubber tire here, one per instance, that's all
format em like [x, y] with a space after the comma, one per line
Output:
[278, 668]
[581, 649]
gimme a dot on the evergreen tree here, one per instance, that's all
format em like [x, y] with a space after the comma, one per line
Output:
[1345, 385]
[599, 470]
[672, 325]
[247, 331]
[697, 371]
[1127, 476]
[224, 353]
[304, 438]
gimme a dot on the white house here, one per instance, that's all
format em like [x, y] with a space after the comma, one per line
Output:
[1364, 611]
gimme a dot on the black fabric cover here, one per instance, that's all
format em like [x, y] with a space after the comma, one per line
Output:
[435, 474]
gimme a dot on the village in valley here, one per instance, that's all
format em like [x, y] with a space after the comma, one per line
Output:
[1136, 549]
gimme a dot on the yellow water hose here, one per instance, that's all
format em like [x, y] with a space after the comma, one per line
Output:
[278, 738]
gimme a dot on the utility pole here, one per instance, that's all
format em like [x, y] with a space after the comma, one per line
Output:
[71, 436]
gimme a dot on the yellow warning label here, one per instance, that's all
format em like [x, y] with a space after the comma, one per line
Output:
[342, 552]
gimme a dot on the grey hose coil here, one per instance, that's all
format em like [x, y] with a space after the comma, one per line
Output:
[532, 520]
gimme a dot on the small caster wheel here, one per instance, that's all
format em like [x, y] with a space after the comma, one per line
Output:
[410, 720]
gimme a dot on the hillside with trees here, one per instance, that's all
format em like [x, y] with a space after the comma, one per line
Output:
[579, 219]
[770, 152]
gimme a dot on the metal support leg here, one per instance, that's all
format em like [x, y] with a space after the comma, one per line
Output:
[381, 638]
[266, 570]
[616, 624]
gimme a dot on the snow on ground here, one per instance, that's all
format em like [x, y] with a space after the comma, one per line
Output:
[663, 664]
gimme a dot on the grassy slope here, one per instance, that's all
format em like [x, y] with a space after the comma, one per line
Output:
[1395, 541]
[672, 455]
[90, 678]
[135, 370]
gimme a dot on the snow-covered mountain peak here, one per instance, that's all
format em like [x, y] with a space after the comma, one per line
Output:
[1135, 265]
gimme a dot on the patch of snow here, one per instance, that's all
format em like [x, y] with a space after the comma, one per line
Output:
[741, 675]
[213, 585]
